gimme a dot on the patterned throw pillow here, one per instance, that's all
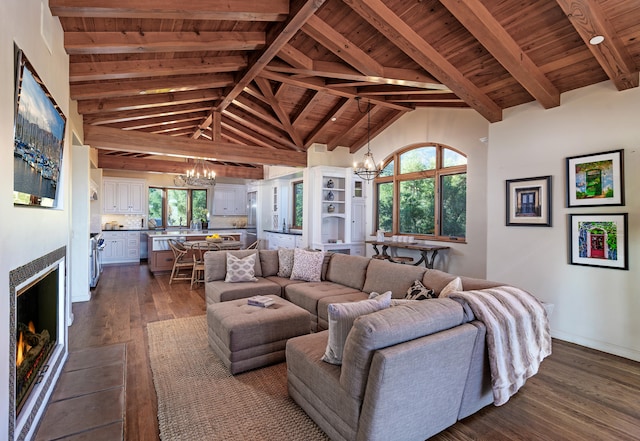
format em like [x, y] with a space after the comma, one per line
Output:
[307, 265]
[285, 262]
[418, 291]
[454, 285]
[341, 318]
[241, 269]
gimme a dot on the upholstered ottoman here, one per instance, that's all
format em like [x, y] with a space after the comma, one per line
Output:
[247, 337]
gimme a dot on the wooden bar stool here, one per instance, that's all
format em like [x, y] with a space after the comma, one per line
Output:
[182, 266]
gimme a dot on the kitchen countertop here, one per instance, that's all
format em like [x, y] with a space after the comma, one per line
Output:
[156, 233]
[172, 231]
[291, 232]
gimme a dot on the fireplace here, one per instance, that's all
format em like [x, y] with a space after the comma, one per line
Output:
[38, 346]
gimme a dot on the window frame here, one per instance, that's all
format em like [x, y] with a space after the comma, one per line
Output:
[437, 174]
[189, 213]
[296, 224]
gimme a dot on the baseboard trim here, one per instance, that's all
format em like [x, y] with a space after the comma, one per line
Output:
[620, 351]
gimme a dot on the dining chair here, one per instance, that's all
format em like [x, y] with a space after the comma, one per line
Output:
[197, 274]
[182, 266]
[254, 246]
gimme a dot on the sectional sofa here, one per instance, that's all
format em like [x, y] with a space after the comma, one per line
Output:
[407, 372]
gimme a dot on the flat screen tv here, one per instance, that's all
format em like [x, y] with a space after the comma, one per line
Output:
[39, 132]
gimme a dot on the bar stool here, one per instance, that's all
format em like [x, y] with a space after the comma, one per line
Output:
[180, 262]
[197, 275]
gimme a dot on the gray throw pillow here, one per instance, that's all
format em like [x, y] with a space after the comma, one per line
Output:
[307, 265]
[285, 262]
[341, 318]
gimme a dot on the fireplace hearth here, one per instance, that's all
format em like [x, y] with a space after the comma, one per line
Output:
[38, 347]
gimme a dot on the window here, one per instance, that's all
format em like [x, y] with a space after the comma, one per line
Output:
[177, 207]
[422, 191]
[296, 222]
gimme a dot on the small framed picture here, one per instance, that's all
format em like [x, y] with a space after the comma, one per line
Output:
[599, 240]
[528, 202]
[596, 180]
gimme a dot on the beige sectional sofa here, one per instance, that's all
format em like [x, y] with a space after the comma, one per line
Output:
[408, 371]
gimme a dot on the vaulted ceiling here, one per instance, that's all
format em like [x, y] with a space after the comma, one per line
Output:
[247, 83]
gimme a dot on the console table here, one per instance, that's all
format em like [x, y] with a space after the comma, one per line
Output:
[428, 253]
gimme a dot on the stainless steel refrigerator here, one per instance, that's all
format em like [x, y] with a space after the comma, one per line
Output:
[251, 233]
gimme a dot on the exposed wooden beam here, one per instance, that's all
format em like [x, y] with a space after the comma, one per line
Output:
[241, 10]
[78, 43]
[301, 11]
[114, 70]
[341, 47]
[406, 39]
[155, 100]
[319, 85]
[391, 76]
[336, 111]
[115, 139]
[486, 29]
[587, 18]
[265, 88]
[111, 89]
[278, 138]
[250, 106]
[295, 57]
[177, 167]
[142, 114]
[149, 125]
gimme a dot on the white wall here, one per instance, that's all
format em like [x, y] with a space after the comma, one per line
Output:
[595, 307]
[28, 233]
[461, 129]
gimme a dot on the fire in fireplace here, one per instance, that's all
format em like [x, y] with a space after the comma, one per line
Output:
[36, 329]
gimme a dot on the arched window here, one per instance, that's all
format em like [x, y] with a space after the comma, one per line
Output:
[422, 192]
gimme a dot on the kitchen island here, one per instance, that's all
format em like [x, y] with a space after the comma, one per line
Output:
[160, 254]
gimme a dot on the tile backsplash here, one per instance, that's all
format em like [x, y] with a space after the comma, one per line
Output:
[136, 221]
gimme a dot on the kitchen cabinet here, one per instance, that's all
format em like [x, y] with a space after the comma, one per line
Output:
[283, 240]
[121, 247]
[230, 200]
[123, 196]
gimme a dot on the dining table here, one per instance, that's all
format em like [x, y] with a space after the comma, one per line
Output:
[427, 252]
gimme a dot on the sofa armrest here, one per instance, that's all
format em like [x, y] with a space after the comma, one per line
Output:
[420, 383]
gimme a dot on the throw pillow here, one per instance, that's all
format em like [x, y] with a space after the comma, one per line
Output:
[307, 265]
[241, 269]
[453, 286]
[285, 262]
[341, 318]
[418, 291]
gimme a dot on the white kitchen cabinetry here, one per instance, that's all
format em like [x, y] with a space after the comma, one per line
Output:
[283, 240]
[123, 196]
[121, 247]
[337, 211]
[230, 200]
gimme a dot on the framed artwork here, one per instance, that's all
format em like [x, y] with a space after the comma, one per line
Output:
[38, 139]
[596, 180]
[528, 202]
[599, 240]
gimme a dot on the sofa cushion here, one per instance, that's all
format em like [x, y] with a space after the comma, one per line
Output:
[269, 262]
[285, 262]
[307, 265]
[341, 318]
[241, 269]
[306, 295]
[220, 291]
[390, 327]
[348, 270]
[472, 284]
[385, 276]
[215, 264]
[418, 291]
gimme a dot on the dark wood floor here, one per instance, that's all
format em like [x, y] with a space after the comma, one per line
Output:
[578, 394]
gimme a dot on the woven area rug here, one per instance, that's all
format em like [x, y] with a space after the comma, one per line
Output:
[198, 399]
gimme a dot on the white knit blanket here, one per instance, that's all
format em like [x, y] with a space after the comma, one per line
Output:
[518, 336]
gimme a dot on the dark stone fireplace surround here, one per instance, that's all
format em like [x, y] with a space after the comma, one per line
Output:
[17, 277]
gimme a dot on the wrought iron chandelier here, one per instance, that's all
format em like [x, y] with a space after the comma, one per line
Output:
[367, 169]
[198, 176]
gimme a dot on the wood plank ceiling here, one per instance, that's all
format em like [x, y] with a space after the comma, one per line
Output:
[247, 83]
